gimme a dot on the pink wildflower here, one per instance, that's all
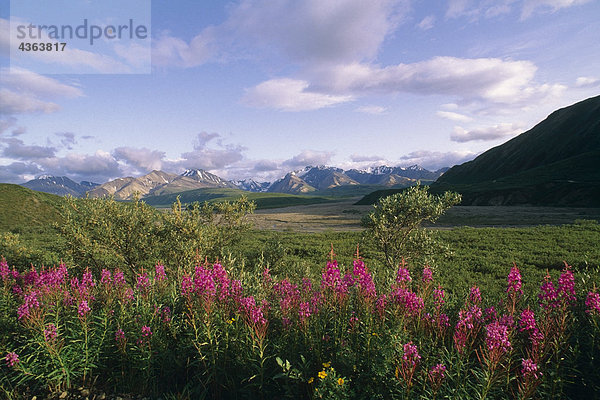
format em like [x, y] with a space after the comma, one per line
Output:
[105, 277]
[475, 295]
[381, 302]
[438, 372]
[31, 302]
[159, 273]
[438, 297]
[514, 281]
[365, 280]
[592, 302]
[4, 270]
[530, 369]
[146, 331]
[304, 312]
[186, 286]
[403, 275]
[566, 285]
[83, 308]
[119, 278]
[12, 359]
[497, 337]
[548, 295]
[411, 356]
[427, 274]
[143, 283]
[120, 336]
[50, 333]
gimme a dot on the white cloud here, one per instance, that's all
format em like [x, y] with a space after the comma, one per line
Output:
[474, 9]
[290, 95]
[359, 158]
[39, 85]
[427, 23]
[17, 149]
[477, 81]
[586, 82]
[308, 157]
[480, 79]
[452, 116]
[143, 159]
[27, 92]
[209, 158]
[315, 30]
[434, 160]
[374, 110]
[531, 6]
[168, 50]
[22, 103]
[458, 8]
[98, 167]
[304, 32]
[494, 132]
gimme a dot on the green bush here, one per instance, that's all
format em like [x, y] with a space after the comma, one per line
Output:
[395, 223]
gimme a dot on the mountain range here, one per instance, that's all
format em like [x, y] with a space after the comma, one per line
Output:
[306, 180]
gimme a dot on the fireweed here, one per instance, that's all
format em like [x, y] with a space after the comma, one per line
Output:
[208, 332]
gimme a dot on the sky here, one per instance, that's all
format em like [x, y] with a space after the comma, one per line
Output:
[258, 88]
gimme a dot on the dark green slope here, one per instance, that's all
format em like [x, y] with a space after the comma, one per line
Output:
[22, 208]
[555, 163]
[567, 132]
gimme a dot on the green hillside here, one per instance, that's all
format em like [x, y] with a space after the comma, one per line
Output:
[262, 200]
[23, 208]
[349, 190]
[554, 163]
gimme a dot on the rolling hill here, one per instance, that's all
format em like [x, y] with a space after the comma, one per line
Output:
[554, 163]
[21, 207]
[263, 200]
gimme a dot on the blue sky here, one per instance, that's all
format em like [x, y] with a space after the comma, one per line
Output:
[256, 88]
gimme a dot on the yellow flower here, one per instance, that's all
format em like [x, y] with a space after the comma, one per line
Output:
[340, 381]
[322, 374]
[327, 364]
[311, 380]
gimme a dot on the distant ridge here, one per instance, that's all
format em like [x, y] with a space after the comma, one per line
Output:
[557, 162]
[59, 185]
[322, 179]
[159, 183]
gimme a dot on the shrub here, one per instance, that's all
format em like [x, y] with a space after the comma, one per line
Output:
[395, 223]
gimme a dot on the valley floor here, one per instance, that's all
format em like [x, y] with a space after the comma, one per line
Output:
[345, 216]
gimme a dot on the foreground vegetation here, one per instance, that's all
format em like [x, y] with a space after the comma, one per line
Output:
[135, 296]
[227, 333]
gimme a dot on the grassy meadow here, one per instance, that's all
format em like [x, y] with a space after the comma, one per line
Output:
[290, 310]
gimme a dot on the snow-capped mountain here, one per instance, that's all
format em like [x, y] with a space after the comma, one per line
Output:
[291, 183]
[60, 185]
[159, 182]
[250, 185]
[305, 180]
[323, 177]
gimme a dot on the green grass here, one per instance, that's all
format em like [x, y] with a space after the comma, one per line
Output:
[478, 256]
[262, 200]
[21, 208]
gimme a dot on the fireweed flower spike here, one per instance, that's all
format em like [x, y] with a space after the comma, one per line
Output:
[83, 308]
[12, 359]
[50, 333]
[592, 302]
